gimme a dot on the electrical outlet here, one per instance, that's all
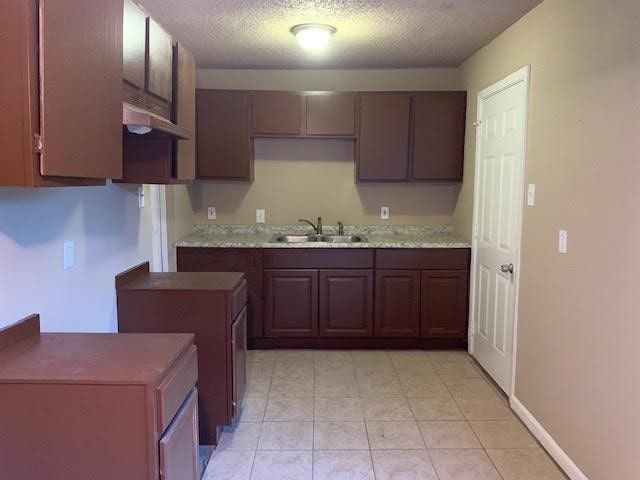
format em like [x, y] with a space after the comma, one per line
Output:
[68, 255]
[563, 239]
[384, 213]
[211, 213]
[140, 196]
[531, 195]
[260, 215]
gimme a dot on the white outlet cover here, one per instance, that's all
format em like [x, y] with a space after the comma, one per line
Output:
[68, 255]
[531, 195]
[211, 213]
[260, 215]
[384, 213]
[563, 240]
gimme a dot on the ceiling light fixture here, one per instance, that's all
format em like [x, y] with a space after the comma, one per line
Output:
[313, 36]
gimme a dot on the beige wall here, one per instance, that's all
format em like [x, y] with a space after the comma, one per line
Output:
[577, 358]
[307, 178]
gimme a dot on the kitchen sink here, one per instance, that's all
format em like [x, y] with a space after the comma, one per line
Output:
[319, 238]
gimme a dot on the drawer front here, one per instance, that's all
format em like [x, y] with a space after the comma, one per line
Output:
[332, 258]
[238, 299]
[424, 259]
[175, 388]
[179, 445]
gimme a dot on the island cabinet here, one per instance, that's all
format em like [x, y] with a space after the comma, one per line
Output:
[97, 406]
[211, 305]
[60, 92]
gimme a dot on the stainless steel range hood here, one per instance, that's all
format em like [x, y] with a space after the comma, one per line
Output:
[142, 122]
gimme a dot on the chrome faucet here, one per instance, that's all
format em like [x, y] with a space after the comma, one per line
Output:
[317, 228]
[340, 228]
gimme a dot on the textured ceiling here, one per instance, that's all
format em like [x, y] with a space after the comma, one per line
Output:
[371, 33]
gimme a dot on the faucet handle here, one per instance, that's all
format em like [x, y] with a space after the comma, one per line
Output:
[340, 228]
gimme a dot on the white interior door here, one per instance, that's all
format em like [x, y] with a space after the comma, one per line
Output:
[497, 223]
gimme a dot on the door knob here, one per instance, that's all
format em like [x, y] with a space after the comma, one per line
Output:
[507, 268]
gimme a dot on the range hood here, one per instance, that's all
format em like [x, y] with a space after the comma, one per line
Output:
[142, 122]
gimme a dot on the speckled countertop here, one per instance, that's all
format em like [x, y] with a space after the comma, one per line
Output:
[260, 236]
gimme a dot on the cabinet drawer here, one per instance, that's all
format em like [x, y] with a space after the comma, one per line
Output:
[173, 390]
[424, 259]
[318, 258]
[179, 445]
[238, 299]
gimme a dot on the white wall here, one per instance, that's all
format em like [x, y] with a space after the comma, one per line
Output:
[110, 234]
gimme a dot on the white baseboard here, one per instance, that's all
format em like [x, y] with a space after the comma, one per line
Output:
[547, 441]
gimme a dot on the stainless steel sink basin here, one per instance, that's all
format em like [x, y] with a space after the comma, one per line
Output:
[319, 238]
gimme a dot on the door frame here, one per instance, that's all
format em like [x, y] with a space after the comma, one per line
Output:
[521, 75]
[159, 234]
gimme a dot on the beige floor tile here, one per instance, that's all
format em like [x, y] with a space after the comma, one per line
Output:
[469, 387]
[448, 434]
[332, 357]
[525, 464]
[463, 464]
[261, 356]
[429, 387]
[339, 385]
[333, 369]
[242, 436]
[258, 386]
[503, 434]
[229, 465]
[294, 356]
[394, 436]
[337, 409]
[436, 408]
[282, 465]
[340, 436]
[448, 356]
[416, 370]
[286, 436]
[259, 370]
[293, 371]
[484, 408]
[403, 465]
[289, 409]
[342, 465]
[386, 408]
[292, 387]
[253, 409]
[370, 358]
[379, 387]
[457, 370]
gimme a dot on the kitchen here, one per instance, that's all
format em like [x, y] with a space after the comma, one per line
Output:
[276, 134]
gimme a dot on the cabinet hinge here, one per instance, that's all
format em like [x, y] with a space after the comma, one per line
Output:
[37, 143]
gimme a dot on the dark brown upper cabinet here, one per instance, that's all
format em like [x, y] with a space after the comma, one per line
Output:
[61, 121]
[438, 136]
[224, 147]
[159, 61]
[184, 111]
[383, 137]
[331, 114]
[134, 44]
[276, 113]
[346, 303]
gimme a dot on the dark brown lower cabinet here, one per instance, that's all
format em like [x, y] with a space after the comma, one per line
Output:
[397, 303]
[239, 359]
[346, 303]
[444, 298]
[291, 303]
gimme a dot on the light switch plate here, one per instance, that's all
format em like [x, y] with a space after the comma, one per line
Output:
[531, 195]
[260, 215]
[563, 239]
[384, 213]
[68, 255]
[211, 213]
[140, 196]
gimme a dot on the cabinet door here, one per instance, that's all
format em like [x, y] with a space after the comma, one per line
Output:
[184, 107]
[159, 61]
[443, 303]
[81, 88]
[134, 44]
[224, 147]
[346, 303]
[276, 113]
[291, 303]
[438, 138]
[239, 360]
[179, 445]
[383, 137]
[397, 303]
[331, 114]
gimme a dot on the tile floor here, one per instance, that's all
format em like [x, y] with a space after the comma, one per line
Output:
[351, 415]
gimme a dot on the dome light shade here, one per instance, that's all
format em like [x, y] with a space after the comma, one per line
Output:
[313, 36]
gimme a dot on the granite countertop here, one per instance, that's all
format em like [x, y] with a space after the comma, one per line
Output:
[261, 236]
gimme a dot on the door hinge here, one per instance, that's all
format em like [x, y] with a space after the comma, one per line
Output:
[37, 143]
